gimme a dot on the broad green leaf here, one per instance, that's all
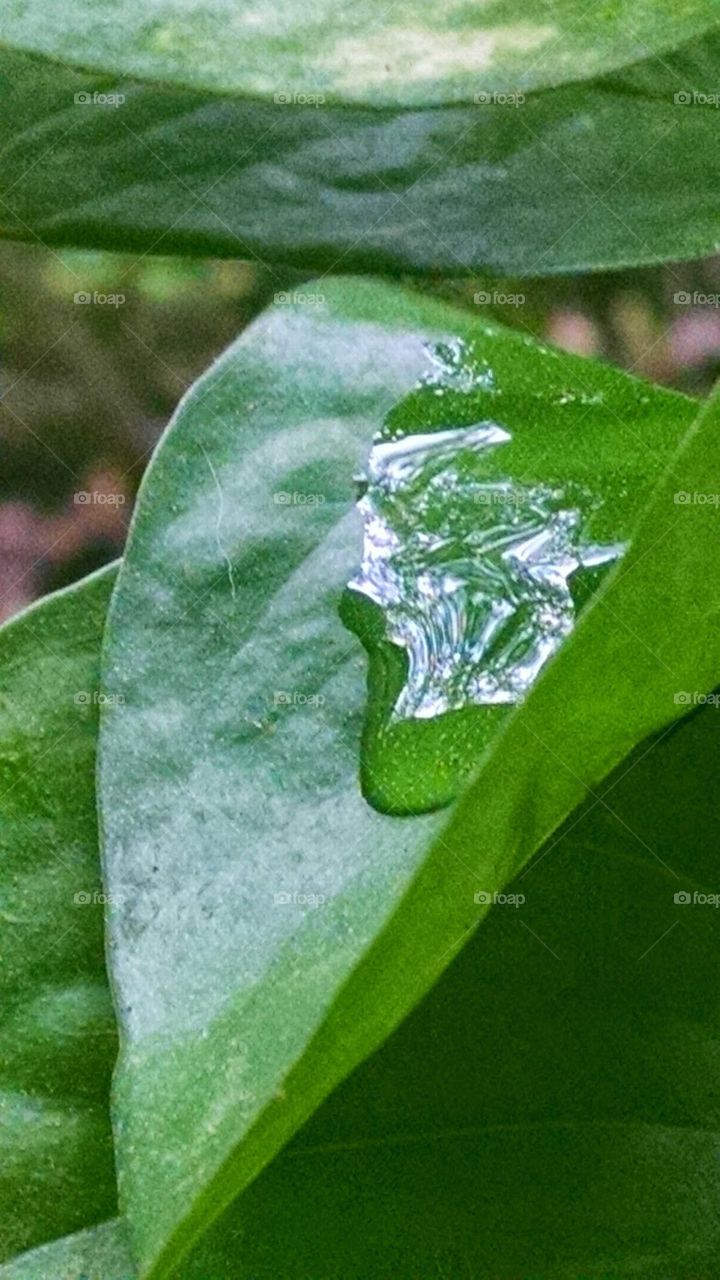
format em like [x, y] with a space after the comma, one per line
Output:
[254, 876]
[57, 1033]
[618, 171]
[411, 54]
[549, 1108]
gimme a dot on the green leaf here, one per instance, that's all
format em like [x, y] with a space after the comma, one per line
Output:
[255, 878]
[57, 1034]
[400, 56]
[610, 173]
[549, 1108]
[100, 1253]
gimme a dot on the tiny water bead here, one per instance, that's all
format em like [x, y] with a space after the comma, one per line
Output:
[452, 368]
[472, 569]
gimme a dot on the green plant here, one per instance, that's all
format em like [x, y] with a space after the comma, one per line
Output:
[326, 1070]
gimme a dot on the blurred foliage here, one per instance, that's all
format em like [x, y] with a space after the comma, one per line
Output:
[97, 349]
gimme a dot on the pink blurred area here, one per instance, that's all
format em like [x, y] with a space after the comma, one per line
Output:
[86, 391]
[31, 542]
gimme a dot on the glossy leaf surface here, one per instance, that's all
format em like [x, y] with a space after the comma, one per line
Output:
[57, 1032]
[248, 992]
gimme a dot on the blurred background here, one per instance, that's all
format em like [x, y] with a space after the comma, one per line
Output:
[98, 348]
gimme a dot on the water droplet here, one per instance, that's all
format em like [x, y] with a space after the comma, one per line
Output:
[471, 569]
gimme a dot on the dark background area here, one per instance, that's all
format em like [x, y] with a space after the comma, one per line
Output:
[88, 386]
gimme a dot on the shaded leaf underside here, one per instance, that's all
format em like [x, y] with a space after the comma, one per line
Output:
[610, 173]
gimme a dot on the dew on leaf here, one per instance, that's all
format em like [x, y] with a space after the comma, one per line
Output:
[471, 568]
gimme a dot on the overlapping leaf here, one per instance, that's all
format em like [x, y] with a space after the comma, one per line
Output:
[100, 1253]
[404, 55]
[57, 1033]
[615, 171]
